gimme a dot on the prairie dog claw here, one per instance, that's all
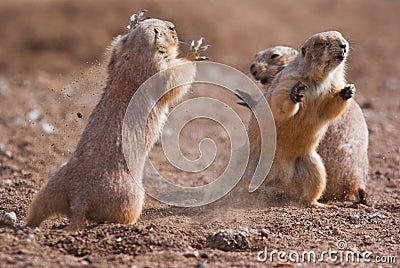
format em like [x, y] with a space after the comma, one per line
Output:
[347, 92]
[135, 19]
[295, 94]
[195, 49]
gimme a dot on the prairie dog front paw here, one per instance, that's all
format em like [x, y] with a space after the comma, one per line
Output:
[347, 92]
[295, 94]
[195, 49]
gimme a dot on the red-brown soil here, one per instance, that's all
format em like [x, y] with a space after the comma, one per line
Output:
[52, 59]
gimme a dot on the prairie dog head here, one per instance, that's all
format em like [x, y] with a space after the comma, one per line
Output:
[268, 62]
[323, 53]
[152, 41]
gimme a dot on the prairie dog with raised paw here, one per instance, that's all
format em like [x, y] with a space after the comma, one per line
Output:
[305, 97]
[344, 148]
[95, 184]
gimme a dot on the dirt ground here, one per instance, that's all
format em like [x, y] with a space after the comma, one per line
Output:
[52, 68]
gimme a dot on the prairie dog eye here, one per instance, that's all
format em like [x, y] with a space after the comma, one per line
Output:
[319, 44]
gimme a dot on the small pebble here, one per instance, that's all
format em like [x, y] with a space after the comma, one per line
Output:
[264, 232]
[336, 231]
[191, 254]
[119, 239]
[355, 217]
[10, 217]
[230, 239]
[201, 265]
[89, 259]
[373, 215]
[33, 115]
[7, 182]
[30, 237]
[1, 147]
[9, 154]
[204, 255]
[4, 89]
[49, 129]
[79, 115]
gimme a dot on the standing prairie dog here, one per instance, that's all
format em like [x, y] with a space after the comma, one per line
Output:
[95, 184]
[308, 94]
[344, 148]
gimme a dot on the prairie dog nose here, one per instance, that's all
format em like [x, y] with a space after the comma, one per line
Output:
[343, 45]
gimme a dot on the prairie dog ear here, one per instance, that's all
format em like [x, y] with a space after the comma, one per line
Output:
[274, 56]
[303, 51]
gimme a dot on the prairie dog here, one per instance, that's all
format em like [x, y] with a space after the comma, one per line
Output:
[268, 62]
[304, 98]
[344, 148]
[95, 184]
[266, 65]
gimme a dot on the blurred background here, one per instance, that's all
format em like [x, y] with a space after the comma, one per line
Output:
[61, 37]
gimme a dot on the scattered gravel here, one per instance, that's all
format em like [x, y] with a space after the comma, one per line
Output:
[10, 218]
[231, 239]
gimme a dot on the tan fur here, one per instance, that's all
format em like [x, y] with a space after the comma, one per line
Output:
[269, 62]
[96, 184]
[300, 126]
[344, 148]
